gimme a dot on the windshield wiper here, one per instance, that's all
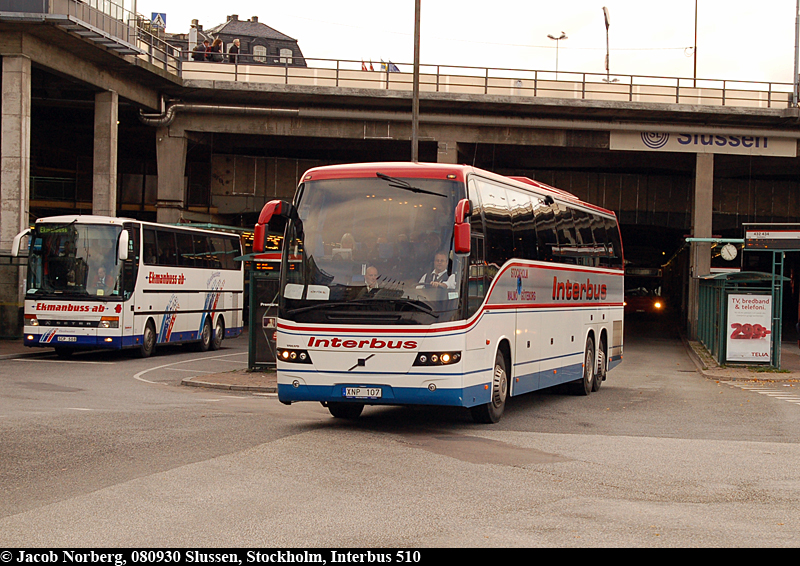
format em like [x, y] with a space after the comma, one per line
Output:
[420, 306]
[406, 186]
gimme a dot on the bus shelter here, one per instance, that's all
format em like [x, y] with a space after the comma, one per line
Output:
[262, 309]
[739, 317]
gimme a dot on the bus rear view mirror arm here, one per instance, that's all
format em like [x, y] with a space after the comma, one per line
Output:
[461, 230]
[280, 208]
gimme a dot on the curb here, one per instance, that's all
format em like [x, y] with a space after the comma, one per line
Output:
[191, 382]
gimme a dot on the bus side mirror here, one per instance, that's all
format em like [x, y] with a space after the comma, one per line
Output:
[15, 244]
[462, 233]
[272, 208]
[122, 246]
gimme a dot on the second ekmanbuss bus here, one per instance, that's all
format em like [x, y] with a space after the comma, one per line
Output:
[113, 283]
[433, 284]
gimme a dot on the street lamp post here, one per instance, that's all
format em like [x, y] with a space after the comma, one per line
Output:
[557, 40]
[607, 17]
[415, 94]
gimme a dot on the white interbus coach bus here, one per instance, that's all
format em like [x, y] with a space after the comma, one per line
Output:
[104, 282]
[434, 284]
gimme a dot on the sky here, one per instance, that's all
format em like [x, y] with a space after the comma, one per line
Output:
[737, 40]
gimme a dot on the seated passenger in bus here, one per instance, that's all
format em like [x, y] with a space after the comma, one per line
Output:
[438, 277]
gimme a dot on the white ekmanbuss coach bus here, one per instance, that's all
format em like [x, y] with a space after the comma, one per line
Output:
[106, 282]
[434, 284]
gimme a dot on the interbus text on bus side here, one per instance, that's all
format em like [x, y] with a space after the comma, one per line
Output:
[578, 291]
[373, 344]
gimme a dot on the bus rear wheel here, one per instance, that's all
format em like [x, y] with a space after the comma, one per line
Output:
[491, 412]
[602, 366]
[346, 410]
[219, 334]
[205, 337]
[585, 384]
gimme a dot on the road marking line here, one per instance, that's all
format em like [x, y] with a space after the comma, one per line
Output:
[138, 376]
[59, 361]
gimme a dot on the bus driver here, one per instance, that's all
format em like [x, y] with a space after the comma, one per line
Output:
[438, 278]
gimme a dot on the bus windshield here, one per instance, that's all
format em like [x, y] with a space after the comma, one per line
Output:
[374, 250]
[74, 259]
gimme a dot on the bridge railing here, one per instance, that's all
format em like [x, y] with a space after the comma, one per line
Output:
[342, 73]
[104, 23]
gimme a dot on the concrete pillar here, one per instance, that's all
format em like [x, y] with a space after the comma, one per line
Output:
[448, 152]
[15, 168]
[700, 252]
[104, 178]
[171, 156]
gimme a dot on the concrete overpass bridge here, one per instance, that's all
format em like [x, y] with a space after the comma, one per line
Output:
[101, 118]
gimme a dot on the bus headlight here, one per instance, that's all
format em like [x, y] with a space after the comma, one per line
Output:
[109, 322]
[657, 304]
[31, 320]
[437, 358]
[294, 356]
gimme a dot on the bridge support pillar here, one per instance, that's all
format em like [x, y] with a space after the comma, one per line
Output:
[15, 168]
[104, 178]
[700, 252]
[448, 152]
[171, 156]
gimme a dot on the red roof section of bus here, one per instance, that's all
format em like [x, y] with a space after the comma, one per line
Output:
[397, 169]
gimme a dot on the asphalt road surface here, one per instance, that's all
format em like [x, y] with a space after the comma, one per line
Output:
[109, 450]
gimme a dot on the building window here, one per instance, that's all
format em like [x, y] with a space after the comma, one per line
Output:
[259, 54]
[286, 56]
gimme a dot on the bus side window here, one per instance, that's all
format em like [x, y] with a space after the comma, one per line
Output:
[499, 244]
[150, 247]
[614, 243]
[217, 252]
[524, 226]
[567, 235]
[587, 254]
[201, 251]
[185, 249]
[545, 231]
[476, 287]
[167, 252]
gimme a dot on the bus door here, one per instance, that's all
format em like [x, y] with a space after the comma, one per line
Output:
[129, 273]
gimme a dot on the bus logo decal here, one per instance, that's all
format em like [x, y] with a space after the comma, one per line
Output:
[576, 291]
[169, 319]
[47, 337]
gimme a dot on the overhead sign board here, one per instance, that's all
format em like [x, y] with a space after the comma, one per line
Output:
[704, 143]
[772, 237]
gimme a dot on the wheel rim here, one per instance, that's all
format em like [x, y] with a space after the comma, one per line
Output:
[218, 331]
[589, 365]
[500, 386]
[149, 338]
[601, 362]
[206, 333]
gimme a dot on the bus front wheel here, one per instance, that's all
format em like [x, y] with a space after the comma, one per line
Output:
[492, 411]
[148, 340]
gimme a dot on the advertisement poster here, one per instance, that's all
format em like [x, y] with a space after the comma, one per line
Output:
[749, 328]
